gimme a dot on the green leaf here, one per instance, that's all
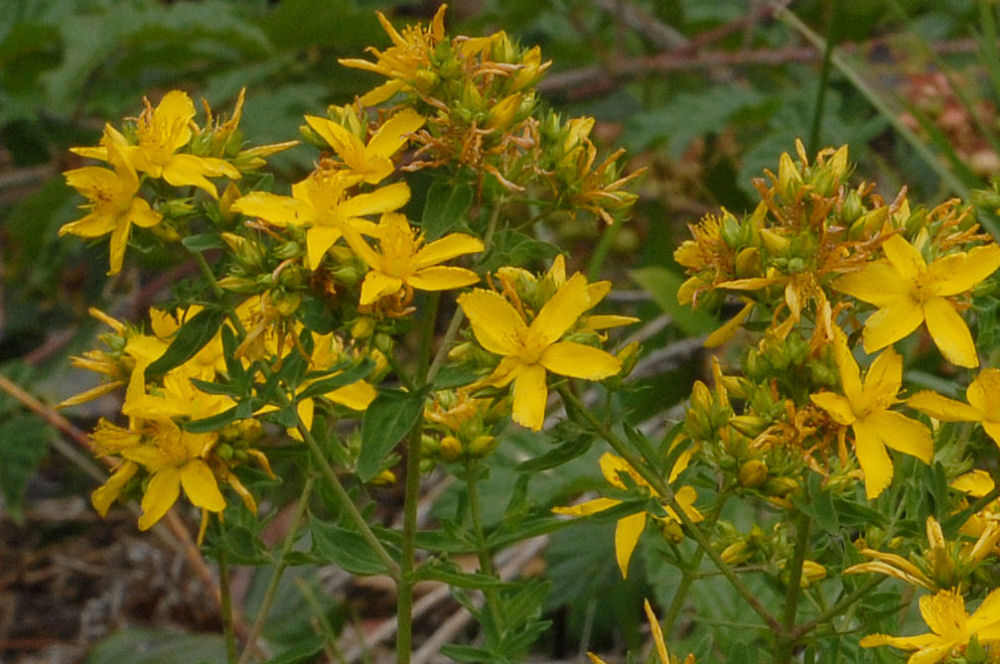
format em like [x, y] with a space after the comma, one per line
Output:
[662, 284]
[344, 548]
[192, 336]
[358, 372]
[436, 571]
[148, 646]
[304, 651]
[240, 411]
[513, 248]
[203, 242]
[388, 418]
[447, 203]
[557, 456]
[470, 654]
[24, 442]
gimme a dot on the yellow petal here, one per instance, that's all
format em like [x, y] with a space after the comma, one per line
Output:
[278, 210]
[987, 614]
[627, 533]
[496, 324]
[175, 111]
[140, 214]
[562, 310]
[904, 257]
[90, 180]
[942, 408]
[958, 273]
[185, 170]
[356, 396]
[613, 467]
[883, 380]
[943, 612]
[654, 627]
[530, 395]
[378, 284]
[599, 322]
[438, 278]
[983, 393]
[318, 240]
[950, 333]
[847, 367]
[976, 483]
[874, 459]
[200, 486]
[377, 95]
[589, 507]
[890, 324]
[729, 328]
[348, 146]
[446, 248]
[161, 494]
[384, 199]
[92, 225]
[568, 358]
[836, 405]
[106, 494]
[394, 132]
[902, 434]
[117, 244]
[903, 642]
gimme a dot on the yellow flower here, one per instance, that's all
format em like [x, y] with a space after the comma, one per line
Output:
[161, 132]
[629, 528]
[908, 292]
[865, 408]
[400, 63]
[402, 261]
[113, 205]
[951, 627]
[320, 203]
[530, 350]
[372, 163]
[983, 407]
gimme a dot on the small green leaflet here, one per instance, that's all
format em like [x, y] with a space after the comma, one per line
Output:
[447, 203]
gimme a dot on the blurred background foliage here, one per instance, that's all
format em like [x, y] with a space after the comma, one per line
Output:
[705, 95]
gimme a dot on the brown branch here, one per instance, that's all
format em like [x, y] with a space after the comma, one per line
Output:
[181, 536]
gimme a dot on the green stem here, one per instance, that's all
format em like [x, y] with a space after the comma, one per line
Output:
[411, 493]
[786, 638]
[667, 493]
[227, 607]
[475, 514]
[345, 498]
[206, 271]
[838, 608]
[691, 570]
[867, 91]
[824, 78]
[601, 251]
[279, 569]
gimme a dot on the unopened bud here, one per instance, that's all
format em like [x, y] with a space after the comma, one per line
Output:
[363, 328]
[736, 553]
[752, 473]
[450, 449]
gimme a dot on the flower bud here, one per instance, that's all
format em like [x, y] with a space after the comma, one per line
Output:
[482, 445]
[789, 178]
[384, 477]
[753, 473]
[747, 262]
[363, 327]
[736, 553]
[812, 572]
[450, 449]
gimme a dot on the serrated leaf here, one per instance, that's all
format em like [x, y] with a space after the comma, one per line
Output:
[388, 418]
[190, 338]
[24, 442]
[446, 205]
[344, 548]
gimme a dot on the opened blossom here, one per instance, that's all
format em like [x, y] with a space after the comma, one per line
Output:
[629, 528]
[864, 407]
[114, 206]
[371, 163]
[403, 260]
[322, 204]
[908, 292]
[529, 350]
[952, 628]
